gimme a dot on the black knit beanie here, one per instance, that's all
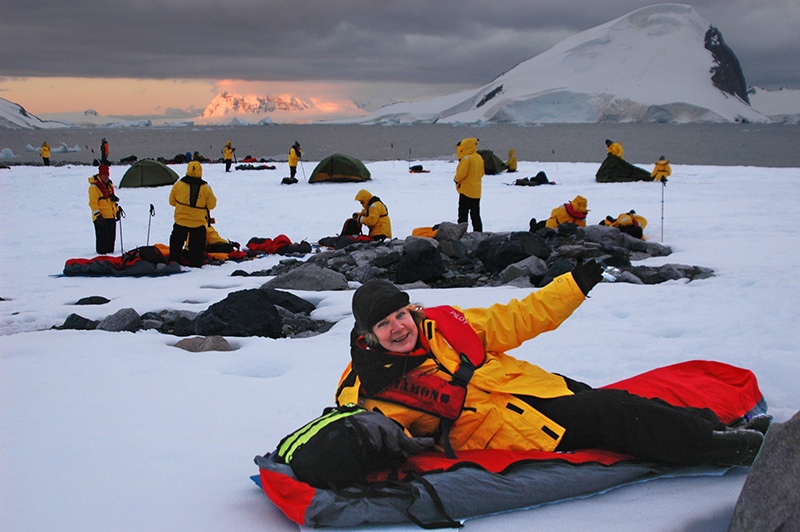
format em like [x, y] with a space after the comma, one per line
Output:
[375, 300]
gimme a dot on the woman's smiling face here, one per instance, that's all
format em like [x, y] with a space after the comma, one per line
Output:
[397, 332]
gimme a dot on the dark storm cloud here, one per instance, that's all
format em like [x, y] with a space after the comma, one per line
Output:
[466, 42]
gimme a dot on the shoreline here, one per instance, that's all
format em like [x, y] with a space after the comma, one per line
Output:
[762, 145]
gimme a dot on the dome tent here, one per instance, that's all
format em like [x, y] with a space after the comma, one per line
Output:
[492, 164]
[339, 168]
[148, 173]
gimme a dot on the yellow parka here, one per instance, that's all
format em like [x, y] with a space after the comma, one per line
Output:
[227, 152]
[615, 148]
[492, 417]
[512, 160]
[469, 173]
[44, 151]
[102, 205]
[187, 215]
[294, 155]
[572, 212]
[662, 170]
[375, 216]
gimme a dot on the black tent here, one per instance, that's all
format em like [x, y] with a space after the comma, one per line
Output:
[339, 168]
[617, 170]
[492, 164]
[148, 173]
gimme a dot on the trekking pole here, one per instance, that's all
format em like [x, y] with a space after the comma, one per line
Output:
[303, 168]
[554, 158]
[150, 219]
[120, 216]
[663, 186]
[409, 158]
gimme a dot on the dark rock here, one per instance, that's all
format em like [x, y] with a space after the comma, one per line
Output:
[93, 300]
[183, 326]
[500, 251]
[421, 262]
[770, 500]
[242, 313]
[199, 344]
[309, 277]
[289, 301]
[125, 319]
[79, 323]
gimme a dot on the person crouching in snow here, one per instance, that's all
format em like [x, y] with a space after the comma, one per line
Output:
[615, 148]
[628, 222]
[374, 215]
[500, 402]
[512, 161]
[105, 210]
[573, 212]
[193, 200]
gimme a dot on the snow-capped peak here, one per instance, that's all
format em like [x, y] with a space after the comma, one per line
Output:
[655, 64]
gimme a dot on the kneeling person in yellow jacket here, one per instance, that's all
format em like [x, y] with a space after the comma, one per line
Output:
[193, 200]
[374, 215]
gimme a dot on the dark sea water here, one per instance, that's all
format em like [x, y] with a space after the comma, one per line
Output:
[765, 145]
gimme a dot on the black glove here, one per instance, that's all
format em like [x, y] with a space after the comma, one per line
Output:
[587, 274]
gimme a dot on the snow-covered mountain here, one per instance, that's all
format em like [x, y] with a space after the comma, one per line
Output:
[14, 116]
[662, 63]
[782, 105]
[229, 106]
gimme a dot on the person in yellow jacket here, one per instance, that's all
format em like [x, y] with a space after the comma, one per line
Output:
[399, 354]
[573, 212]
[662, 170]
[615, 148]
[44, 152]
[512, 161]
[628, 222]
[295, 154]
[227, 155]
[469, 182]
[193, 200]
[105, 210]
[374, 215]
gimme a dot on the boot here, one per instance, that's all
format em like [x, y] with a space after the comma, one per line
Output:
[761, 423]
[738, 447]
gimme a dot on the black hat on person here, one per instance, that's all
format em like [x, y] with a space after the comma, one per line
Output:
[375, 300]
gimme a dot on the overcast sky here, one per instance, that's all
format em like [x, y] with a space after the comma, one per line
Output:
[369, 49]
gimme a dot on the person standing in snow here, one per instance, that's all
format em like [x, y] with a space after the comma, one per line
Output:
[499, 402]
[512, 161]
[193, 200]
[105, 210]
[662, 170]
[104, 152]
[374, 215]
[469, 182]
[227, 155]
[44, 152]
[615, 148]
[295, 154]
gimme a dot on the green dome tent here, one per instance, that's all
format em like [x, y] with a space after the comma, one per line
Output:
[339, 168]
[617, 170]
[148, 173]
[492, 164]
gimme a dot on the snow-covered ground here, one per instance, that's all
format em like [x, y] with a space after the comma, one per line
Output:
[124, 432]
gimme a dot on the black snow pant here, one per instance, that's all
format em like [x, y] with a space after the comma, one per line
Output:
[292, 171]
[197, 244]
[630, 424]
[46, 161]
[228, 165]
[105, 233]
[472, 207]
